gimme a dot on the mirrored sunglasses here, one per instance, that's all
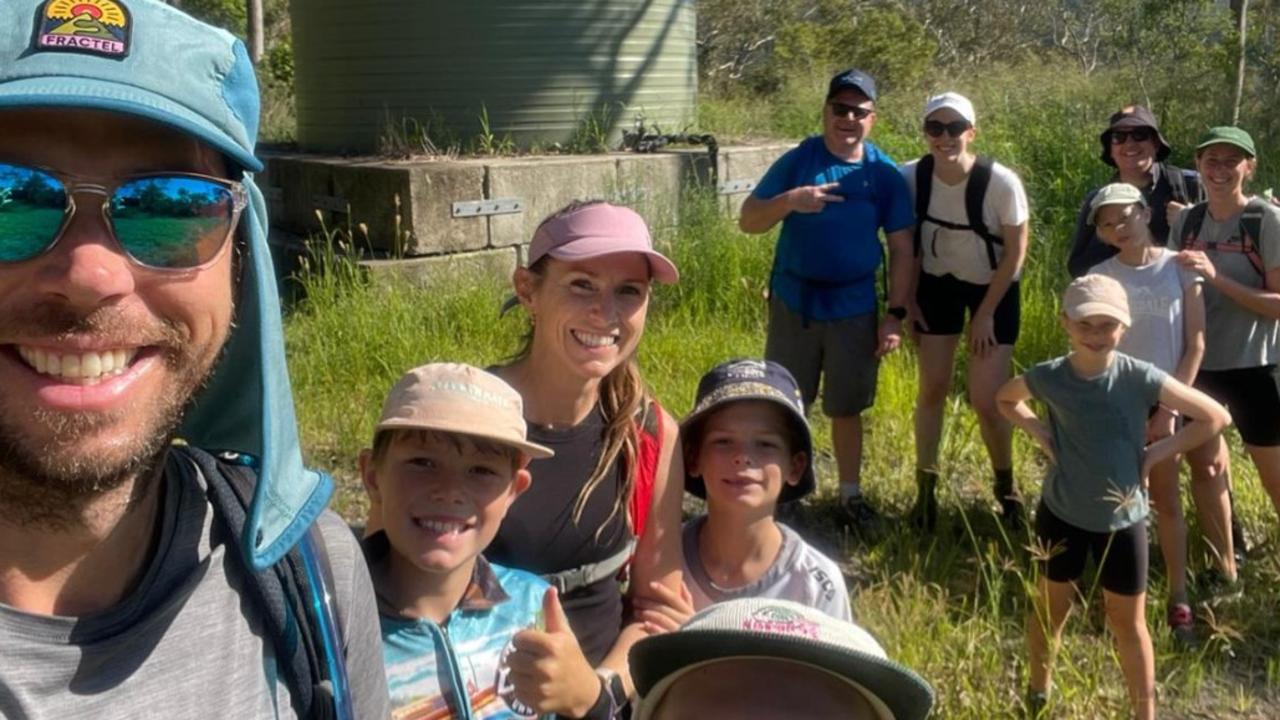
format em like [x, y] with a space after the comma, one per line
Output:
[163, 221]
[1142, 134]
[955, 128]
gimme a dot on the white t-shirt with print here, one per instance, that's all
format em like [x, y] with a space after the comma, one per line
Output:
[800, 573]
[963, 253]
[1156, 306]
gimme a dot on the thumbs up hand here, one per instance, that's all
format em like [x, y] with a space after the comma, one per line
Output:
[548, 669]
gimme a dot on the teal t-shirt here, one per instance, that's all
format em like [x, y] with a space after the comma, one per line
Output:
[1099, 428]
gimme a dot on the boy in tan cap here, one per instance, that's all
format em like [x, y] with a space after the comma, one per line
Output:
[1095, 497]
[449, 457]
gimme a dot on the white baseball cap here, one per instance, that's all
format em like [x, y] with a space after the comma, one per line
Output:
[952, 100]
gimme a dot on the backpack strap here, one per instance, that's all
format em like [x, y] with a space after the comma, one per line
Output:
[281, 592]
[1250, 232]
[1177, 184]
[924, 191]
[974, 196]
[1191, 227]
[648, 451]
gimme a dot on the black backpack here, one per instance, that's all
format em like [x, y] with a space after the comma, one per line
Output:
[1250, 232]
[295, 620]
[974, 195]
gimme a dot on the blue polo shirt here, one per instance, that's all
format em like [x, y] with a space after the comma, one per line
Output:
[826, 262]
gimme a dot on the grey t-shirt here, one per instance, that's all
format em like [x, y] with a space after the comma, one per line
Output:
[799, 573]
[1155, 292]
[1236, 337]
[1099, 428]
[185, 643]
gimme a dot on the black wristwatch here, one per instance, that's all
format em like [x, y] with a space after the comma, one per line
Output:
[612, 698]
[897, 311]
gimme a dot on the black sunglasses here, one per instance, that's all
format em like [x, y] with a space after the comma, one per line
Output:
[1142, 134]
[840, 109]
[162, 221]
[955, 128]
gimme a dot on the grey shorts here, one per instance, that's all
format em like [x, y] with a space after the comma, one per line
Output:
[842, 352]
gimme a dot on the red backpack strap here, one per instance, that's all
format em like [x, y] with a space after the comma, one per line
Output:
[648, 450]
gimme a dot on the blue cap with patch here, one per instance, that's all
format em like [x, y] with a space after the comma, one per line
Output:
[736, 380]
[852, 79]
[144, 58]
[133, 56]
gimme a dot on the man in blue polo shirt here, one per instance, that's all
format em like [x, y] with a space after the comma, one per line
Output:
[833, 193]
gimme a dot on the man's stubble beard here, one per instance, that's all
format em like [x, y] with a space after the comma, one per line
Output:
[51, 486]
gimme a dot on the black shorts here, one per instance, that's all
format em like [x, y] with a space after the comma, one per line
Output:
[1121, 556]
[943, 301]
[1252, 395]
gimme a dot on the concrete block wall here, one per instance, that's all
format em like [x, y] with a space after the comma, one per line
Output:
[406, 206]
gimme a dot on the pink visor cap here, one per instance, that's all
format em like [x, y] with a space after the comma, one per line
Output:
[599, 229]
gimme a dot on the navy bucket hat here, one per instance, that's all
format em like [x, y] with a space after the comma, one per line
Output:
[1135, 116]
[752, 380]
[146, 59]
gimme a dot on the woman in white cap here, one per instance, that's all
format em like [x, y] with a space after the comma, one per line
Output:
[607, 499]
[971, 240]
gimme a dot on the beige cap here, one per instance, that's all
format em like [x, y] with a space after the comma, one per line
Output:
[456, 398]
[1096, 295]
[1114, 194]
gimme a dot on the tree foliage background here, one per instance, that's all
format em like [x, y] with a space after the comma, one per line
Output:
[1167, 53]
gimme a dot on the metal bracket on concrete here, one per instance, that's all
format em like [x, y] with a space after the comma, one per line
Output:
[735, 187]
[330, 203]
[499, 206]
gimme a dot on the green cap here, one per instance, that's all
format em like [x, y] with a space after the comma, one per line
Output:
[1115, 194]
[1229, 135]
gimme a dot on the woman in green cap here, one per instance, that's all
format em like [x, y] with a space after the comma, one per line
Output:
[1233, 241]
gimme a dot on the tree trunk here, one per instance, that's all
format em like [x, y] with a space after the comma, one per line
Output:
[254, 31]
[1242, 28]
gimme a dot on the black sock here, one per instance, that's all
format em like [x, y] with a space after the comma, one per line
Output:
[1004, 485]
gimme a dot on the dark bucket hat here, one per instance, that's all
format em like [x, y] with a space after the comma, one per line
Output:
[752, 380]
[1135, 116]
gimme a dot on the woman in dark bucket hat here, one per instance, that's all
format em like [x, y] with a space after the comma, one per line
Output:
[1134, 146]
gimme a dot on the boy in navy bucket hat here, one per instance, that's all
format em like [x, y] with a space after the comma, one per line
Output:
[140, 331]
[748, 448]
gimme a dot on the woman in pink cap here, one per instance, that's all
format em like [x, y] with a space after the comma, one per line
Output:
[603, 506]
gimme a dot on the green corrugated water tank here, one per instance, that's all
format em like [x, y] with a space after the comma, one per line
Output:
[540, 69]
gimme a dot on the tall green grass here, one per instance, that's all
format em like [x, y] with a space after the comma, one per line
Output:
[951, 605]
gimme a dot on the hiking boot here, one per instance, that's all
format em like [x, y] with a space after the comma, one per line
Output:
[1212, 584]
[1181, 624]
[924, 514]
[1239, 545]
[1037, 702]
[1012, 512]
[861, 518]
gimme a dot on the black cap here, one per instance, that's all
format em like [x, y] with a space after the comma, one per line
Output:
[753, 380]
[1135, 116]
[852, 79]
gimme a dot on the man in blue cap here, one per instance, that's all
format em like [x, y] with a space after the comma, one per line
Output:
[833, 194]
[139, 321]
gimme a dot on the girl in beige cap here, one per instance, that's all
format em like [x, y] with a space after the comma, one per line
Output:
[1094, 500]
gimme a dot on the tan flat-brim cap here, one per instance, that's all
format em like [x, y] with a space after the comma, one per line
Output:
[1090, 295]
[456, 398]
